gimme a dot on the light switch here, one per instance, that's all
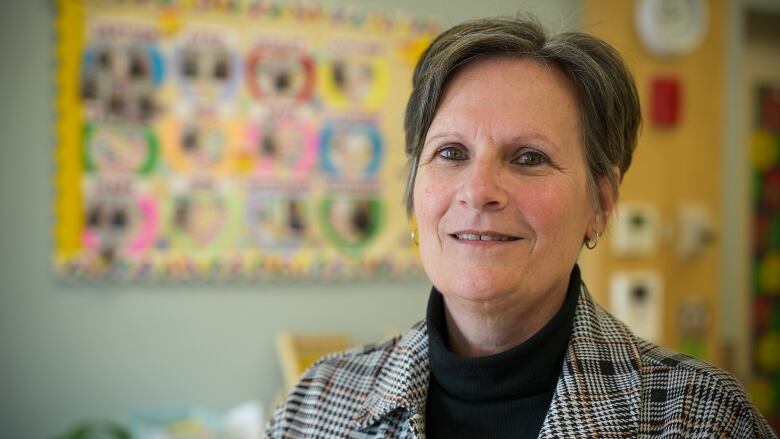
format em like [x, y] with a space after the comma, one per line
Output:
[695, 230]
[635, 230]
[636, 299]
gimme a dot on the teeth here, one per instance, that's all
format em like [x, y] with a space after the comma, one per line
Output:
[476, 237]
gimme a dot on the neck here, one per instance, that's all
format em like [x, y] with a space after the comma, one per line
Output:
[482, 328]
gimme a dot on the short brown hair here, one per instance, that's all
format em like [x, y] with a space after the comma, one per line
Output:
[610, 116]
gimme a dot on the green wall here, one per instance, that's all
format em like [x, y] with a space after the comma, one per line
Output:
[73, 352]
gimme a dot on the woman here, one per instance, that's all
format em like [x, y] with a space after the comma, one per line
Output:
[517, 143]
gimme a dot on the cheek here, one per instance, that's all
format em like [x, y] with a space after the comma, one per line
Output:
[557, 212]
[431, 201]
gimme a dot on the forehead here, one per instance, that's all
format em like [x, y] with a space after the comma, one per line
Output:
[511, 95]
[515, 69]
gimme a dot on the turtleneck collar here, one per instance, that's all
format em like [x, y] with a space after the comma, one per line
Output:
[528, 369]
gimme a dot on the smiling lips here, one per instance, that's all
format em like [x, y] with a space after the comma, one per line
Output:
[483, 236]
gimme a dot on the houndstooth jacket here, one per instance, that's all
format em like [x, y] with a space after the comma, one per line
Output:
[612, 385]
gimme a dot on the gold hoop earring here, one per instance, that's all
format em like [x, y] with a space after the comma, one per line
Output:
[414, 237]
[591, 244]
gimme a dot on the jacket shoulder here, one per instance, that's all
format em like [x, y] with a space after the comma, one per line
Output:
[682, 394]
[672, 368]
[331, 392]
[661, 367]
[355, 365]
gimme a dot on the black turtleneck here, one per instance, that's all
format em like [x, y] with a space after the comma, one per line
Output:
[505, 395]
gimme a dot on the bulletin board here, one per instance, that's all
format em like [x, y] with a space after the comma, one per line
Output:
[232, 140]
[765, 152]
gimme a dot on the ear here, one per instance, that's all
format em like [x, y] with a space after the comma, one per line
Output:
[607, 200]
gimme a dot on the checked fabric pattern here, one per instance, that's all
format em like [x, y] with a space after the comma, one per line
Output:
[612, 385]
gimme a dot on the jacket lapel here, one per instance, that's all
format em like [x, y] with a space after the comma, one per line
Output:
[598, 392]
[402, 383]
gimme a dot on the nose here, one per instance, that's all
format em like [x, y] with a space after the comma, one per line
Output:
[482, 187]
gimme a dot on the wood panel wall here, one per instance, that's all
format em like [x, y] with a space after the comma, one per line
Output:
[672, 166]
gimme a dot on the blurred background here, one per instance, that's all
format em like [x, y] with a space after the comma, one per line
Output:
[692, 260]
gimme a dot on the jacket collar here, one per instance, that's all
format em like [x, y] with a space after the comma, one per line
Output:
[600, 373]
[597, 394]
[402, 382]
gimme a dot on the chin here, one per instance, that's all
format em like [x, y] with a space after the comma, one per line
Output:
[483, 287]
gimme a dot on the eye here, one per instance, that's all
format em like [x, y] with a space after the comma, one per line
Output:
[451, 153]
[531, 158]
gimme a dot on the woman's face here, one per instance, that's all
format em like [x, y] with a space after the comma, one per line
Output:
[501, 194]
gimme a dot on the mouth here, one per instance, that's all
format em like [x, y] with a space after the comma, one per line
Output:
[482, 236]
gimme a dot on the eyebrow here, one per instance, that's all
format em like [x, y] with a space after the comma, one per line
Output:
[535, 137]
[444, 134]
[516, 139]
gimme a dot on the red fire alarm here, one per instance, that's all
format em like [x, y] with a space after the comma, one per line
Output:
[665, 100]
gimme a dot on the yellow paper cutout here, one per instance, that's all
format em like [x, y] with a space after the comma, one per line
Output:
[215, 149]
[68, 204]
[762, 395]
[764, 150]
[769, 273]
[364, 82]
[169, 21]
[768, 352]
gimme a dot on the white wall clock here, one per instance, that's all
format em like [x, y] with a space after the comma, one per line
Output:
[671, 27]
